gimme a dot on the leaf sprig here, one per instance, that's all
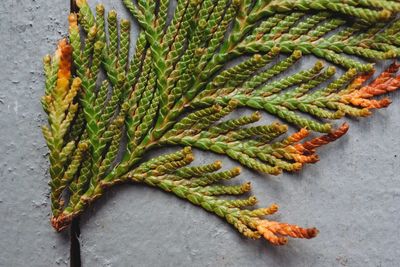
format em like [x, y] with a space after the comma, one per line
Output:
[178, 86]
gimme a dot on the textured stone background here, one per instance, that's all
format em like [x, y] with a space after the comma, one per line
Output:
[352, 195]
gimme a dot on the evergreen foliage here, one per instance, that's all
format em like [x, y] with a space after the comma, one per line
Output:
[176, 88]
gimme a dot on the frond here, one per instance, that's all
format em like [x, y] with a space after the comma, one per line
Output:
[186, 76]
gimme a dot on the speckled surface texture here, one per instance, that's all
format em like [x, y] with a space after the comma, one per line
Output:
[352, 195]
[29, 29]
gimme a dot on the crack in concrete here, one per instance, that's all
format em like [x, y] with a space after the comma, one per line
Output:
[75, 248]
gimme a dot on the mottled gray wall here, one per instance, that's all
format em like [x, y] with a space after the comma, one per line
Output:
[28, 30]
[352, 195]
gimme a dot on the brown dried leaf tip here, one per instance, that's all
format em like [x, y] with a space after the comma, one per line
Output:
[277, 232]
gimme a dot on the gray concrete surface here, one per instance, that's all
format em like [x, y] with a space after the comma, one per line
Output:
[29, 30]
[352, 195]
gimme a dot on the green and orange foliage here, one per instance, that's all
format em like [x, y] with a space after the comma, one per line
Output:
[178, 86]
